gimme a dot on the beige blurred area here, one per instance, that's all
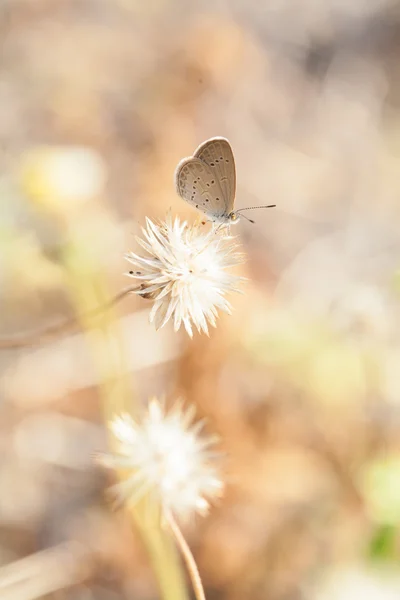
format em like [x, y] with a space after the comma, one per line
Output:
[99, 100]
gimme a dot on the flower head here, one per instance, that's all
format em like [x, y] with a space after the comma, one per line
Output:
[165, 457]
[185, 273]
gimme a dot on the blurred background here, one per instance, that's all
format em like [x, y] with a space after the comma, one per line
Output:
[99, 100]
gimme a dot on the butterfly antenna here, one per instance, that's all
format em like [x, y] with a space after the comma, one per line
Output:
[247, 218]
[253, 207]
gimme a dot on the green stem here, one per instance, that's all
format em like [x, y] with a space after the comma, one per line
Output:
[88, 290]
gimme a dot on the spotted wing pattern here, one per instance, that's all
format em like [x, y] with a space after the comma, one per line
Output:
[198, 185]
[218, 156]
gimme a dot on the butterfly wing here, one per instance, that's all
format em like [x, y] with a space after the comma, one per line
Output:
[218, 156]
[198, 185]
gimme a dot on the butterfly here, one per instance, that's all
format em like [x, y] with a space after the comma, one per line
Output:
[207, 181]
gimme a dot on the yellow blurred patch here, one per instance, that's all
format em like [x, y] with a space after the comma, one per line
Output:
[60, 179]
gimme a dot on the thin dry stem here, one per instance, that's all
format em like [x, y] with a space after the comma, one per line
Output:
[58, 329]
[187, 556]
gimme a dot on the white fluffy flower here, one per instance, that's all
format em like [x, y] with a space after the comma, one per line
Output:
[185, 273]
[164, 457]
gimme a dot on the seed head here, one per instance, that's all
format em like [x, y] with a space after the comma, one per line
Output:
[185, 273]
[165, 457]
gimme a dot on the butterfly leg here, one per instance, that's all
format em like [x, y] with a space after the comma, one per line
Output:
[221, 228]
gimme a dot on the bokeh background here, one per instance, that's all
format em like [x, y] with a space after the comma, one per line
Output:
[99, 100]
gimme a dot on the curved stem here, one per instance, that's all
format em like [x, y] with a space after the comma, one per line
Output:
[188, 557]
[59, 329]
